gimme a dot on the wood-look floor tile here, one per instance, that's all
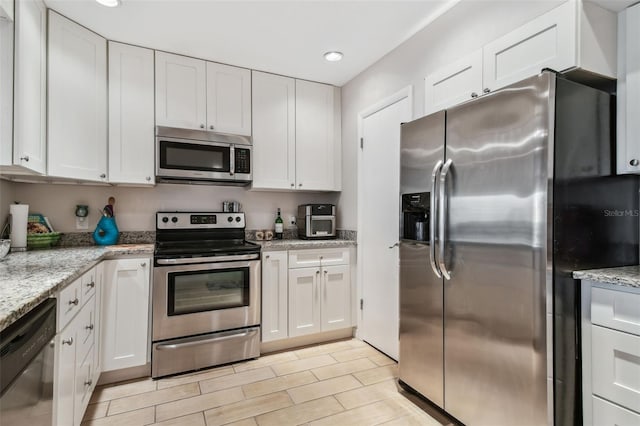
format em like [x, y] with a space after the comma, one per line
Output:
[149, 399]
[245, 422]
[198, 403]
[410, 409]
[302, 364]
[264, 361]
[97, 410]
[378, 374]
[236, 379]
[247, 408]
[195, 377]
[367, 394]
[340, 369]
[372, 414]
[381, 359]
[323, 349]
[196, 419]
[108, 392]
[301, 413]
[324, 388]
[278, 384]
[357, 343]
[141, 417]
[355, 353]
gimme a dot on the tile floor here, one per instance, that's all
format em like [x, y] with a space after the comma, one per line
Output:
[340, 383]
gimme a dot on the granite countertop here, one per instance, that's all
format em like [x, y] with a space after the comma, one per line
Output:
[628, 276]
[27, 278]
[294, 244]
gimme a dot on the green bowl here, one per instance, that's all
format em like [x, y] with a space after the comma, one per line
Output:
[42, 241]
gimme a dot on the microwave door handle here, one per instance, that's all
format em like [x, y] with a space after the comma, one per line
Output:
[232, 160]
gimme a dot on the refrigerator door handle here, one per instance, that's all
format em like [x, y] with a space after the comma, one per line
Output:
[432, 221]
[442, 217]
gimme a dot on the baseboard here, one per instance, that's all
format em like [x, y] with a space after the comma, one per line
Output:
[108, 377]
[311, 339]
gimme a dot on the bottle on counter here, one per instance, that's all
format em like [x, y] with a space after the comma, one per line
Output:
[279, 226]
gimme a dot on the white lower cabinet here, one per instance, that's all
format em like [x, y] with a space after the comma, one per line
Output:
[76, 370]
[125, 313]
[305, 292]
[608, 414]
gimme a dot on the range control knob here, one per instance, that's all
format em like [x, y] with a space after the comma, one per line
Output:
[238, 219]
[165, 219]
[230, 219]
[174, 219]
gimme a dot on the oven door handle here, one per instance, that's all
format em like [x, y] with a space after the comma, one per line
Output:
[210, 259]
[233, 335]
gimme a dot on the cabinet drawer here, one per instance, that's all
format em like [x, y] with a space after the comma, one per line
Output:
[608, 414]
[315, 258]
[68, 303]
[83, 387]
[88, 285]
[615, 309]
[85, 328]
[616, 366]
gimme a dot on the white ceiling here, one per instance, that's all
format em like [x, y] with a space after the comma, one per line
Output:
[283, 37]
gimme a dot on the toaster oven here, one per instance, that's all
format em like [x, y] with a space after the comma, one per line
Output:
[316, 221]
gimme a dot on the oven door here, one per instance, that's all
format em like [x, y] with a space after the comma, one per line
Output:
[201, 298]
[184, 158]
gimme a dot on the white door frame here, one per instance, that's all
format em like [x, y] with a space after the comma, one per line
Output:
[407, 93]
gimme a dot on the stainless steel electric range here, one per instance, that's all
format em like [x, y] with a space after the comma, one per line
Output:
[206, 292]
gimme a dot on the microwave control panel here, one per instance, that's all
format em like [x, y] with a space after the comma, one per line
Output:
[242, 160]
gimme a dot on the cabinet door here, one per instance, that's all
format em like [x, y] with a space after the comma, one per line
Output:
[125, 313]
[30, 85]
[180, 91]
[97, 321]
[83, 385]
[77, 106]
[228, 99]
[628, 99]
[274, 296]
[6, 9]
[608, 414]
[274, 143]
[315, 143]
[64, 376]
[304, 301]
[453, 84]
[336, 297]
[131, 118]
[548, 41]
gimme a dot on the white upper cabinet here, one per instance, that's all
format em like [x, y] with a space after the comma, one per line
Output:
[315, 139]
[628, 99]
[296, 134]
[180, 91]
[573, 35]
[6, 9]
[131, 118]
[228, 99]
[30, 85]
[454, 83]
[77, 122]
[274, 143]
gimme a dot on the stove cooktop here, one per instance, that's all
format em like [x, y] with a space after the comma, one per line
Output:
[204, 248]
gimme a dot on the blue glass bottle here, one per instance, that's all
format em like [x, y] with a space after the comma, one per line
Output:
[106, 232]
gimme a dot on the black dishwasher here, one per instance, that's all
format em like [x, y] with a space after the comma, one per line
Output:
[26, 368]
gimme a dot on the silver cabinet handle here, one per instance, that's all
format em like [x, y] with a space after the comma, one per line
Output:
[74, 302]
[91, 284]
[202, 126]
[299, 184]
[89, 327]
[148, 178]
[395, 245]
[486, 90]
[442, 217]
[211, 127]
[433, 218]
[25, 158]
[317, 272]
[143, 264]
[102, 176]
[267, 257]
[474, 95]
[68, 341]
[293, 184]
[634, 162]
[88, 382]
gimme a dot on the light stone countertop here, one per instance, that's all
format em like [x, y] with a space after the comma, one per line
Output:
[27, 278]
[295, 244]
[628, 276]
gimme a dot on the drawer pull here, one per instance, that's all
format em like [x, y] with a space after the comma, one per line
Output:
[89, 327]
[88, 382]
[68, 341]
[91, 284]
[143, 264]
[74, 302]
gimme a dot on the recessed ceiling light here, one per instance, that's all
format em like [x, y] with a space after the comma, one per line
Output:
[333, 56]
[109, 3]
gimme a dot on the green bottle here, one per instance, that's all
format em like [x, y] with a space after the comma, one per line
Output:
[279, 226]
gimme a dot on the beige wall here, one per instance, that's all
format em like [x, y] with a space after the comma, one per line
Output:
[135, 207]
[463, 29]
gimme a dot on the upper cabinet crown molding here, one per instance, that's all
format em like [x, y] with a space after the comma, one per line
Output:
[573, 35]
[77, 122]
[195, 94]
[131, 117]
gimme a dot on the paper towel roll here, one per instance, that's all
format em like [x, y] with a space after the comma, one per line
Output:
[19, 215]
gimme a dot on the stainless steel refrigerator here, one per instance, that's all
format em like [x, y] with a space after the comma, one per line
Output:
[502, 198]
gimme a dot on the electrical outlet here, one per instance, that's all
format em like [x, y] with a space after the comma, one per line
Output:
[82, 222]
[292, 220]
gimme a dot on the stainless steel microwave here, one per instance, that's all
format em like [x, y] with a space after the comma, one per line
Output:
[194, 156]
